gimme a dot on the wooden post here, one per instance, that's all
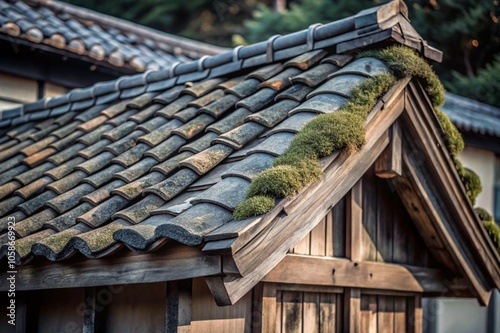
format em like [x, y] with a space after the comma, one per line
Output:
[352, 310]
[178, 317]
[414, 315]
[89, 315]
[389, 164]
[264, 308]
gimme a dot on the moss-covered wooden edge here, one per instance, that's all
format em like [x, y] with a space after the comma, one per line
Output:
[489, 224]
[298, 166]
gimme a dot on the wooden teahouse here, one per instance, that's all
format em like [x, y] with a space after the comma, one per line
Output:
[124, 203]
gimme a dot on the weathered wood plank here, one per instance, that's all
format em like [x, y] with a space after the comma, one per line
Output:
[329, 245]
[182, 261]
[385, 314]
[384, 225]
[339, 218]
[352, 309]
[311, 313]
[303, 247]
[399, 314]
[318, 238]
[327, 313]
[291, 320]
[354, 223]
[369, 205]
[264, 308]
[389, 164]
[368, 317]
[206, 316]
[344, 273]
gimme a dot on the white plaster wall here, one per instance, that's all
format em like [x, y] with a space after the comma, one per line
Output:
[483, 163]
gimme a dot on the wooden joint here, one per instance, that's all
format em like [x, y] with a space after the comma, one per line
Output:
[389, 164]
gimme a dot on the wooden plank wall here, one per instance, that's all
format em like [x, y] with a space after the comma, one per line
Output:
[308, 312]
[388, 235]
[391, 314]
[328, 237]
[206, 316]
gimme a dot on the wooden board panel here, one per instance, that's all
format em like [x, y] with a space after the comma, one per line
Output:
[338, 228]
[368, 320]
[303, 247]
[57, 316]
[385, 314]
[18, 89]
[399, 314]
[311, 313]
[264, 308]
[4, 105]
[206, 316]
[134, 308]
[369, 236]
[318, 239]
[328, 313]
[384, 224]
[52, 90]
[291, 320]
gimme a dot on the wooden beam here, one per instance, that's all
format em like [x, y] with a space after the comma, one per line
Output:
[324, 271]
[389, 164]
[264, 308]
[456, 245]
[352, 310]
[89, 310]
[173, 262]
[414, 315]
[427, 130]
[178, 316]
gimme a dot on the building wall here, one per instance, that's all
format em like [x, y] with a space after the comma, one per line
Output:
[16, 90]
[483, 163]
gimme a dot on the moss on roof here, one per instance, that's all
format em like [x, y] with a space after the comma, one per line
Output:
[489, 224]
[254, 206]
[345, 129]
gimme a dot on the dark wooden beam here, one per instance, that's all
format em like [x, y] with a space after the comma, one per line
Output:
[325, 271]
[89, 310]
[178, 316]
[388, 165]
[173, 262]
[354, 223]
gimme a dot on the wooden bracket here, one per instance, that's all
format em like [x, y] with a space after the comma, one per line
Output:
[389, 164]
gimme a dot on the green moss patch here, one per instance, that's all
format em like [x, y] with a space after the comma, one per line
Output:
[489, 224]
[298, 166]
[252, 207]
[405, 62]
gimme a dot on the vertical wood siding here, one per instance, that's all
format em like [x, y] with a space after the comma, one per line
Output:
[388, 233]
[384, 314]
[307, 312]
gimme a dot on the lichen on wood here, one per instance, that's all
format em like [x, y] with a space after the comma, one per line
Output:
[489, 224]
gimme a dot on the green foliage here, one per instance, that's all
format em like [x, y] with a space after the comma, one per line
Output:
[489, 224]
[253, 206]
[405, 62]
[484, 87]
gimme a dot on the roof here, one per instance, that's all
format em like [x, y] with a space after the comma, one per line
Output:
[164, 157]
[472, 116]
[76, 32]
